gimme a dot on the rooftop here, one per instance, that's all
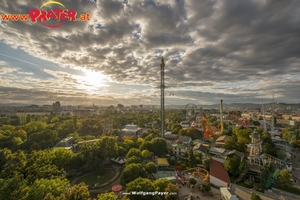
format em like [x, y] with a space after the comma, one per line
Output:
[162, 162]
[217, 170]
[222, 138]
[217, 150]
[179, 146]
[184, 138]
[164, 174]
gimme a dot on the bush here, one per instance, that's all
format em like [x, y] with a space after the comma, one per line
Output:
[248, 184]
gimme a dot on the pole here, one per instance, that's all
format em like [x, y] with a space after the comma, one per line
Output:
[221, 116]
[162, 96]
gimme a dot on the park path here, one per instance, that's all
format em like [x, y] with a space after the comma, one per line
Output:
[117, 170]
[76, 179]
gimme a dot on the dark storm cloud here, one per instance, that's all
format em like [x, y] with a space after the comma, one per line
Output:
[204, 42]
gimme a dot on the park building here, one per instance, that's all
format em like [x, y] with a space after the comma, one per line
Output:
[220, 142]
[218, 174]
[185, 124]
[186, 140]
[170, 136]
[201, 149]
[65, 143]
[131, 130]
[179, 150]
[226, 195]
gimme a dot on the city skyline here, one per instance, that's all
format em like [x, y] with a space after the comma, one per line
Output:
[238, 51]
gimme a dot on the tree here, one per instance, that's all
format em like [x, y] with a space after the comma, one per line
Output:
[192, 181]
[230, 143]
[264, 176]
[205, 187]
[243, 135]
[62, 157]
[13, 188]
[133, 160]
[269, 148]
[149, 137]
[241, 146]
[76, 192]
[161, 184]
[41, 187]
[254, 196]
[191, 159]
[159, 146]
[146, 154]
[134, 152]
[21, 134]
[284, 179]
[147, 145]
[4, 156]
[172, 189]
[140, 184]
[176, 128]
[199, 158]
[151, 167]
[33, 127]
[206, 162]
[139, 142]
[107, 147]
[107, 196]
[114, 132]
[232, 165]
[134, 171]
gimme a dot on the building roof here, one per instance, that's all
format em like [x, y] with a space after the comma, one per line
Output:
[229, 196]
[119, 160]
[162, 162]
[222, 138]
[254, 134]
[184, 138]
[218, 171]
[197, 141]
[235, 152]
[216, 150]
[200, 147]
[179, 146]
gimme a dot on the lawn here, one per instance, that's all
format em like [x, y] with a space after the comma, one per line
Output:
[97, 177]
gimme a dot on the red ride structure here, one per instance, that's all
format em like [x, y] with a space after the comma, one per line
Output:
[207, 130]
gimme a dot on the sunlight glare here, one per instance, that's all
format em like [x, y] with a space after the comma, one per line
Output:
[93, 80]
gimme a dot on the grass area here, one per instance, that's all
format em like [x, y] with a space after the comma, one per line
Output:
[100, 177]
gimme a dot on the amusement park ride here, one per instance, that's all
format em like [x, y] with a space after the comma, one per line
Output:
[208, 132]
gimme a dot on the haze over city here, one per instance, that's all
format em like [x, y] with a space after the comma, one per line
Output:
[239, 51]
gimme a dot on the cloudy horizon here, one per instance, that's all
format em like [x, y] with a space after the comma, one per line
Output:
[241, 51]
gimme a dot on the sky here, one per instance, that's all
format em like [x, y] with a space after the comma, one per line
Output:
[241, 51]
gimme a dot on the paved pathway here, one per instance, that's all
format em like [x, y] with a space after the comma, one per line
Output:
[184, 192]
[117, 170]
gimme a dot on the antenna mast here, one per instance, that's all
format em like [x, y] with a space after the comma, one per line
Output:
[273, 117]
[264, 118]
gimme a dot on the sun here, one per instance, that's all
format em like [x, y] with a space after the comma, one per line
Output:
[93, 80]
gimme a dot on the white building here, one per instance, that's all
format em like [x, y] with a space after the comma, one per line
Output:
[179, 149]
[132, 130]
[66, 142]
[226, 195]
[185, 124]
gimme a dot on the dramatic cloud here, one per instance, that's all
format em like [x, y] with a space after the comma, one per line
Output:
[236, 50]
